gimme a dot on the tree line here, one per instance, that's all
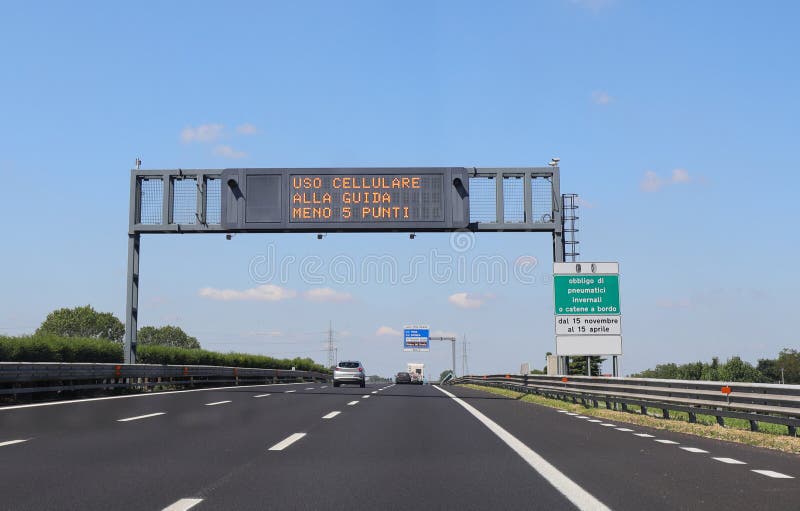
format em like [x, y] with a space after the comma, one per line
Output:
[87, 323]
[785, 368]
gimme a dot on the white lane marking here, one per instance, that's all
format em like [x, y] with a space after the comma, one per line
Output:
[582, 499]
[215, 403]
[324, 387]
[141, 417]
[351, 403]
[183, 505]
[331, 415]
[581, 417]
[562, 411]
[667, 442]
[572, 414]
[608, 425]
[12, 442]
[374, 392]
[626, 430]
[694, 449]
[773, 474]
[286, 442]
[365, 396]
[644, 435]
[263, 395]
[130, 396]
[594, 420]
[289, 391]
[730, 461]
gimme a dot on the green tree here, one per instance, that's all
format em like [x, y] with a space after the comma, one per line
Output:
[82, 322]
[789, 362]
[167, 336]
[736, 369]
[577, 365]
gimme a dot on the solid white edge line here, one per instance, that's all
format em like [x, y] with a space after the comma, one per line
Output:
[127, 419]
[730, 461]
[263, 395]
[581, 498]
[331, 415]
[12, 442]
[694, 449]
[183, 505]
[772, 474]
[351, 403]
[129, 396]
[215, 403]
[286, 442]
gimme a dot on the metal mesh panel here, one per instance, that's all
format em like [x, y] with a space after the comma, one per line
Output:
[213, 201]
[482, 200]
[542, 198]
[513, 199]
[151, 201]
[184, 201]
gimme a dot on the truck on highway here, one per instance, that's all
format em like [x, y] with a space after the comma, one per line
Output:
[417, 372]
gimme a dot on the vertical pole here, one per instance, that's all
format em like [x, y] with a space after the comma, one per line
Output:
[588, 366]
[614, 369]
[454, 356]
[132, 284]
[558, 235]
[132, 299]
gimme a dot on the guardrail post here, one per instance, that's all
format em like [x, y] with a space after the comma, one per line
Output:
[792, 430]
[665, 413]
[692, 417]
[624, 406]
[643, 409]
[753, 425]
[721, 420]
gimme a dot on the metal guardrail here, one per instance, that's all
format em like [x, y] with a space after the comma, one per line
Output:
[38, 377]
[754, 402]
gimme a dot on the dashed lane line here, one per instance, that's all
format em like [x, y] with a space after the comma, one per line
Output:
[286, 442]
[12, 442]
[580, 498]
[352, 403]
[331, 415]
[730, 461]
[694, 449]
[215, 403]
[289, 391]
[625, 430]
[772, 474]
[263, 395]
[644, 435]
[128, 419]
[670, 442]
[183, 505]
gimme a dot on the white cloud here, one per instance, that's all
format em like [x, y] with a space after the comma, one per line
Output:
[202, 133]
[680, 176]
[652, 182]
[246, 129]
[388, 331]
[601, 98]
[468, 301]
[264, 293]
[326, 294]
[228, 152]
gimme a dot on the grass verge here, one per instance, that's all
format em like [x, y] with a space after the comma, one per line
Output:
[708, 428]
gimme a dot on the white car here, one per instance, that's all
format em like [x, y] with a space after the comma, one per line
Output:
[349, 371]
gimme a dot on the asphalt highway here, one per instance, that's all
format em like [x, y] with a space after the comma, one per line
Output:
[312, 446]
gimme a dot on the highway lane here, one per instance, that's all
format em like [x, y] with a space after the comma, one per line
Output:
[80, 457]
[388, 447]
[630, 470]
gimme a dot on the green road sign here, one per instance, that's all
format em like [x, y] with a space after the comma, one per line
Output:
[586, 294]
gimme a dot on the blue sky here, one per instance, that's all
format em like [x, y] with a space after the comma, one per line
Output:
[675, 122]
